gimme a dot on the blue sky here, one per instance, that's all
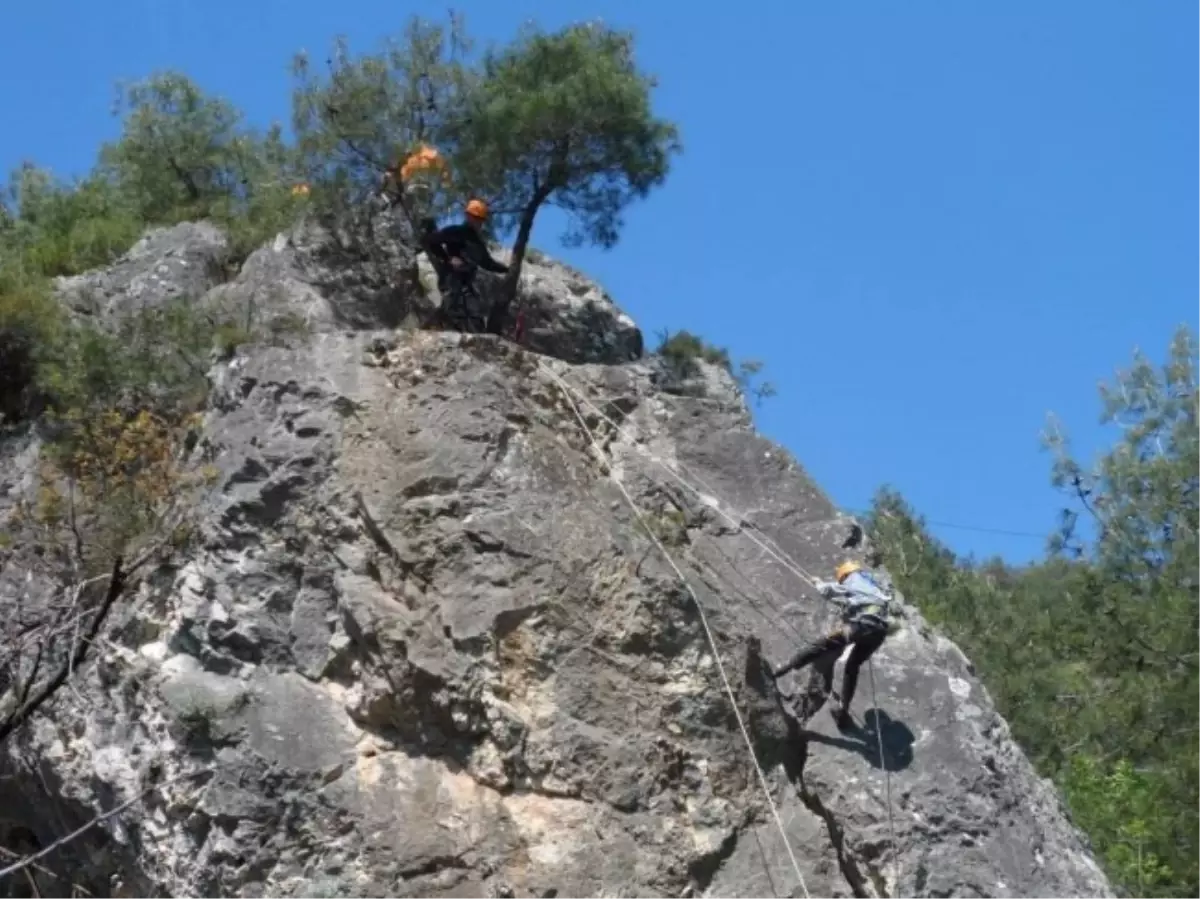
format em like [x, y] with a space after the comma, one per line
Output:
[934, 222]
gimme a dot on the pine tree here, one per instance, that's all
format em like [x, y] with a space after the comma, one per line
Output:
[563, 119]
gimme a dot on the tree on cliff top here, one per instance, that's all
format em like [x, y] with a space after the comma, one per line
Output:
[563, 119]
[358, 116]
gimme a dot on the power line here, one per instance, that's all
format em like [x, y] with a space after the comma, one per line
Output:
[983, 530]
[967, 527]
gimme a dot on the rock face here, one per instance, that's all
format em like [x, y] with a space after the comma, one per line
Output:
[425, 647]
[184, 260]
[566, 315]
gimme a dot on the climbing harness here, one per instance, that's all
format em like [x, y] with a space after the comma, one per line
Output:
[767, 545]
[762, 778]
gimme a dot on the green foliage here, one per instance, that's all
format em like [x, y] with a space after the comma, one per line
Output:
[368, 113]
[30, 321]
[120, 401]
[1120, 807]
[1142, 590]
[1092, 654]
[153, 359]
[185, 156]
[682, 350]
[564, 118]
[179, 153]
[55, 229]
[560, 118]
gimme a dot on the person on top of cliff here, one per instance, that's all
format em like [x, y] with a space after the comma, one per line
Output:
[864, 608]
[457, 252]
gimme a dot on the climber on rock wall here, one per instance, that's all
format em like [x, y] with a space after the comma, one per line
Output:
[864, 626]
[457, 252]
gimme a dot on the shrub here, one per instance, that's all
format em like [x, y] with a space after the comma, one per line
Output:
[682, 350]
[30, 321]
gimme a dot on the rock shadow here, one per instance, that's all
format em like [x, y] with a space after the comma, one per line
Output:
[878, 728]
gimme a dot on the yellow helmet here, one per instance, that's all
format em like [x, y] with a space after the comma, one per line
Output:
[846, 569]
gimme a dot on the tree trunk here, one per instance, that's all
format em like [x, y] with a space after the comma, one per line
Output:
[508, 290]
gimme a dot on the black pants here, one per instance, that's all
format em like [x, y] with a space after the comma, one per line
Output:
[459, 296]
[864, 636]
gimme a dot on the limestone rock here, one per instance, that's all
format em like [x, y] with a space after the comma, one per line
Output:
[185, 260]
[567, 315]
[424, 647]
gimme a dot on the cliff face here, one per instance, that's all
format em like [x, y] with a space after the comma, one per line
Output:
[423, 646]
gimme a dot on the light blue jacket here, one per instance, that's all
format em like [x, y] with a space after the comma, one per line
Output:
[859, 596]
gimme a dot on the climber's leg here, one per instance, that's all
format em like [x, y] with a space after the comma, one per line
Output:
[831, 645]
[474, 321]
[456, 302]
[818, 687]
[866, 640]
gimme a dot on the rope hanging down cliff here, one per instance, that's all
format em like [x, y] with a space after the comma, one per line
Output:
[710, 499]
[738, 522]
[762, 778]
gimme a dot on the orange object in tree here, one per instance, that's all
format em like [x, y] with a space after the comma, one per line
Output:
[424, 159]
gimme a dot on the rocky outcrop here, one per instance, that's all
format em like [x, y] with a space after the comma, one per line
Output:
[566, 315]
[424, 646]
[185, 260]
[304, 280]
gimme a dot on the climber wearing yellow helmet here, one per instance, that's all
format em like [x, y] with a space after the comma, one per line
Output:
[864, 626]
[458, 251]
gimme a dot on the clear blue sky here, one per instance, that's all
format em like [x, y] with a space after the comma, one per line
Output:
[933, 221]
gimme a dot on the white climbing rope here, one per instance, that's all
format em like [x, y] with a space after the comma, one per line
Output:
[887, 778]
[767, 545]
[762, 778]
[738, 522]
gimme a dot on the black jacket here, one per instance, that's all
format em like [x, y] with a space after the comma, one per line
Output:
[463, 242]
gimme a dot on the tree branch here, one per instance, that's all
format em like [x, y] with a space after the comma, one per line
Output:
[8, 853]
[99, 819]
[116, 586]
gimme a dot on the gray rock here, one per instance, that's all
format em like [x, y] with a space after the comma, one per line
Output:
[306, 277]
[185, 260]
[567, 315]
[423, 646]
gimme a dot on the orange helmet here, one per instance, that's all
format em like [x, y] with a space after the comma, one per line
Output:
[477, 209]
[846, 569]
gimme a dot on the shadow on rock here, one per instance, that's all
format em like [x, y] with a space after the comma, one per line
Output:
[897, 741]
[778, 738]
